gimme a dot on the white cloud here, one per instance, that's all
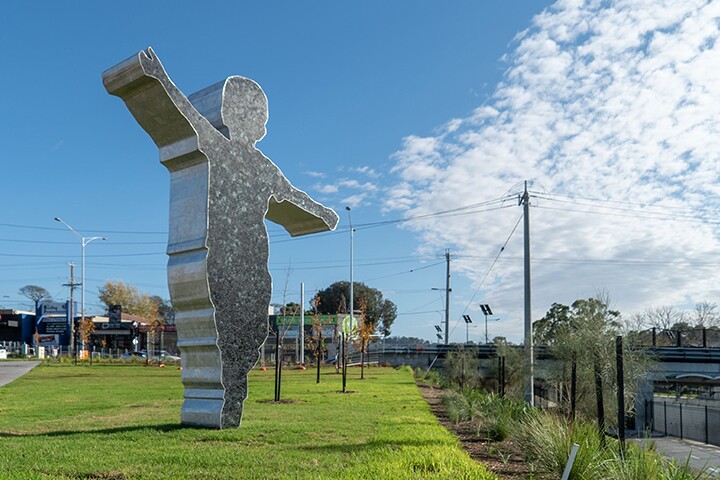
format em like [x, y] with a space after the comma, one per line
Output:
[613, 100]
[315, 174]
[353, 200]
[354, 184]
[366, 170]
[326, 188]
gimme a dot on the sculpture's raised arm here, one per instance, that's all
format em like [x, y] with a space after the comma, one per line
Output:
[298, 213]
[156, 103]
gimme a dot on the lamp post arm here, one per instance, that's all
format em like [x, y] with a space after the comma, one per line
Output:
[58, 219]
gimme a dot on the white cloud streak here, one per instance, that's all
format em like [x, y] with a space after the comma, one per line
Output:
[614, 100]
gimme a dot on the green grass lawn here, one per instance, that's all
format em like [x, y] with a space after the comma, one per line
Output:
[122, 421]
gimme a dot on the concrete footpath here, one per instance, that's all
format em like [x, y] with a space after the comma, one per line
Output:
[701, 456]
[12, 370]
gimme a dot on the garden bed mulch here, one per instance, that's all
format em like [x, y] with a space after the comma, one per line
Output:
[505, 459]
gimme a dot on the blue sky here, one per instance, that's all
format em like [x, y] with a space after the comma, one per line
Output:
[398, 109]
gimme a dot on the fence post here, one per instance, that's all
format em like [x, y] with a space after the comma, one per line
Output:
[707, 433]
[654, 343]
[681, 422]
[573, 388]
[621, 391]
[679, 338]
[704, 337]
[652, 415]
[665, 416]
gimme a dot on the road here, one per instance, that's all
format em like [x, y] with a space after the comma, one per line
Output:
[701, 456]
[9, 371]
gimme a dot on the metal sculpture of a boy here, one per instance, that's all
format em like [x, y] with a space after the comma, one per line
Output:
[221, 190]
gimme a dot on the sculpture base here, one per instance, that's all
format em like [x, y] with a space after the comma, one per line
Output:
[203, 408]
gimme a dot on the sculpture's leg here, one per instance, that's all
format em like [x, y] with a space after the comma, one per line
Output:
[240, 287]
[239, 348]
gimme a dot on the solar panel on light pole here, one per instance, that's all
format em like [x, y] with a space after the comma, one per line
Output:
[468, 321]
[486, 311]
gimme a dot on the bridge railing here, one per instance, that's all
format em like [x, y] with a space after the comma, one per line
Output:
[692, 337]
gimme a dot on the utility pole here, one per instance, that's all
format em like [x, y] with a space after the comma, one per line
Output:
[447, 299]
[529, 382]
[71, 310]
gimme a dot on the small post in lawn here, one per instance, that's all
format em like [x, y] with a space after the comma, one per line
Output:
[277, 363]
[319, 354]
[362, 359]
[344, 363]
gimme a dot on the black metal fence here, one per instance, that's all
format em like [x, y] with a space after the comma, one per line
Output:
[693, 337]
[685, 421]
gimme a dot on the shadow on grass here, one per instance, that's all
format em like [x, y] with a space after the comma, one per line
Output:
[162, 428]
[371, 445]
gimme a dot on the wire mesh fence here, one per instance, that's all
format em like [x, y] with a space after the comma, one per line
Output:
[685, 420]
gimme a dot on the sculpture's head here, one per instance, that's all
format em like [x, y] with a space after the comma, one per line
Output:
[244, 109]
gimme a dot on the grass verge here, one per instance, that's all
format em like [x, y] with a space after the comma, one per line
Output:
[121, 422]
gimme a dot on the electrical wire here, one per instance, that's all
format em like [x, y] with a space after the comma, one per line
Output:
[502, 249]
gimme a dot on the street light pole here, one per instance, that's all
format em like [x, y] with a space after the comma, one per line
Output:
[83, 242]
[352, 297]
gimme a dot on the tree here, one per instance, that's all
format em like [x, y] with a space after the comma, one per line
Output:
[35, 293]
[582, 339]
[85, 329]
[143, 305]
[291, 309]
[165, 309]
[131, 300]
[379, 312]
[363, 333]
[706, 314]
[553, 325]
[315, 341]
[664, 317]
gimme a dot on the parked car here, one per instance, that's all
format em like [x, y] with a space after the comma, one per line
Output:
[134, 355]
[164, 356]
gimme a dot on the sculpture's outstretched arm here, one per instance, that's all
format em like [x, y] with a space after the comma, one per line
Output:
[154, 100]
[298, 213]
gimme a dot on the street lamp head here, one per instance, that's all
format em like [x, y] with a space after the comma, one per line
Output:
[57, 219]
[347, 208]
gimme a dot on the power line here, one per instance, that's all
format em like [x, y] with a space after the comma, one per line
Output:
[628, 212]
[49, 242]
[279, 231]
[553, 196]
[404, 272]
[33, 255]
[502, 249]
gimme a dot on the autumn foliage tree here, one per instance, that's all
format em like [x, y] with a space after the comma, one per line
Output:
[151, 307]
[363, 332]
[315, 342]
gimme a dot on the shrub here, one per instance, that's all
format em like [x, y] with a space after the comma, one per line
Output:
[493, 415]
[548, 439]
[641, 462]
